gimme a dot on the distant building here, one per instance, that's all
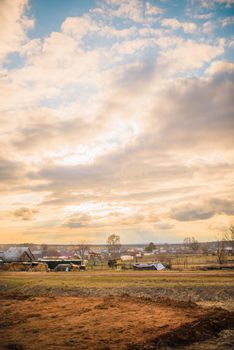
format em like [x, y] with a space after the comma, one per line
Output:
[126, 257]
[18, 254]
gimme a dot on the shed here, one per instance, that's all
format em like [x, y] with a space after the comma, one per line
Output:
[154, 266]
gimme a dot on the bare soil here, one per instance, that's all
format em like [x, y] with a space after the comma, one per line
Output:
[106, 323]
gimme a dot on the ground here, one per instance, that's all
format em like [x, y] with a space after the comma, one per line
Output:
[103, 310]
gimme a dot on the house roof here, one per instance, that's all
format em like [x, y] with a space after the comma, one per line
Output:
[15, 254]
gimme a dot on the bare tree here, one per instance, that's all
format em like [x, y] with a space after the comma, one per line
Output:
[229, 237]
[221, 250]
[113, 245]
[191, 243]
[82, 249]
[205, 248]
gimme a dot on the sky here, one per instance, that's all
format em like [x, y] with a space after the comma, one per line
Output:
[116, 117]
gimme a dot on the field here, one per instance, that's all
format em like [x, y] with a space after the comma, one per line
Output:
[117, 310]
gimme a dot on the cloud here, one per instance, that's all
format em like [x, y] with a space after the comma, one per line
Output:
[173, 23]
[227, 21]
[132, 10]
[209, 27]
[182, 124]
[78, 27]
[164, 226]
[152, 10]
[210, 4]
[188, 56]
[13, 26]
[221, 68]
[24, 214]
[13, 175]
[204, 211]
[204, 16]
[191, 213]
[110, 219]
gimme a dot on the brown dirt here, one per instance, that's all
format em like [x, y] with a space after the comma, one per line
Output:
[109, 323]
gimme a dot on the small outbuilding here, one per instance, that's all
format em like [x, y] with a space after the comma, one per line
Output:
[154, 266]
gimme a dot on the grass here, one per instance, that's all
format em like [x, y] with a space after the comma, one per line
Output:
[114, 279]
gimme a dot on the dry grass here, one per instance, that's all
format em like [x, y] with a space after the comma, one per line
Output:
[116, 279]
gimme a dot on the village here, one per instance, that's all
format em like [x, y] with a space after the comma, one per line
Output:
[80, 257]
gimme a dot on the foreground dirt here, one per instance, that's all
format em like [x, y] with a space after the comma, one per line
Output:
[109, 323]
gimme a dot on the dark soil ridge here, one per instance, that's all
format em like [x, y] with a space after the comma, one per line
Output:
[193, 293]
[208, 326]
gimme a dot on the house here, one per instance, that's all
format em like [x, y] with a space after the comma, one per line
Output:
[18, 254]
[126, 257]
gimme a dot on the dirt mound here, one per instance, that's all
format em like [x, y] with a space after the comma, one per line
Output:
[109, 322]
[224, 341]
[206, 327]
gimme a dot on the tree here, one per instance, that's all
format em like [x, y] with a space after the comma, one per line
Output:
[92, 260]
[191, 243]
[82, 249]
[150, 247]
[205, 248]
[113, 245]
[229, 237]
[226, 239]
[221, 250]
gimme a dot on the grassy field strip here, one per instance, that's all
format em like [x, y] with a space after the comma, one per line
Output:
[73, 280]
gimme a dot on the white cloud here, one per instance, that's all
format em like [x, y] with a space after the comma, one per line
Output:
[209, 4]
[220, 67]
[78, 27]
[188, 56]
[129, 9]
[13, 26]
[204, 16]
[173, 23]
[227, 21]
[208, 27]
[152, 10]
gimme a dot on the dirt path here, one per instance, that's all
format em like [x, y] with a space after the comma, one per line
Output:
[113, 322]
